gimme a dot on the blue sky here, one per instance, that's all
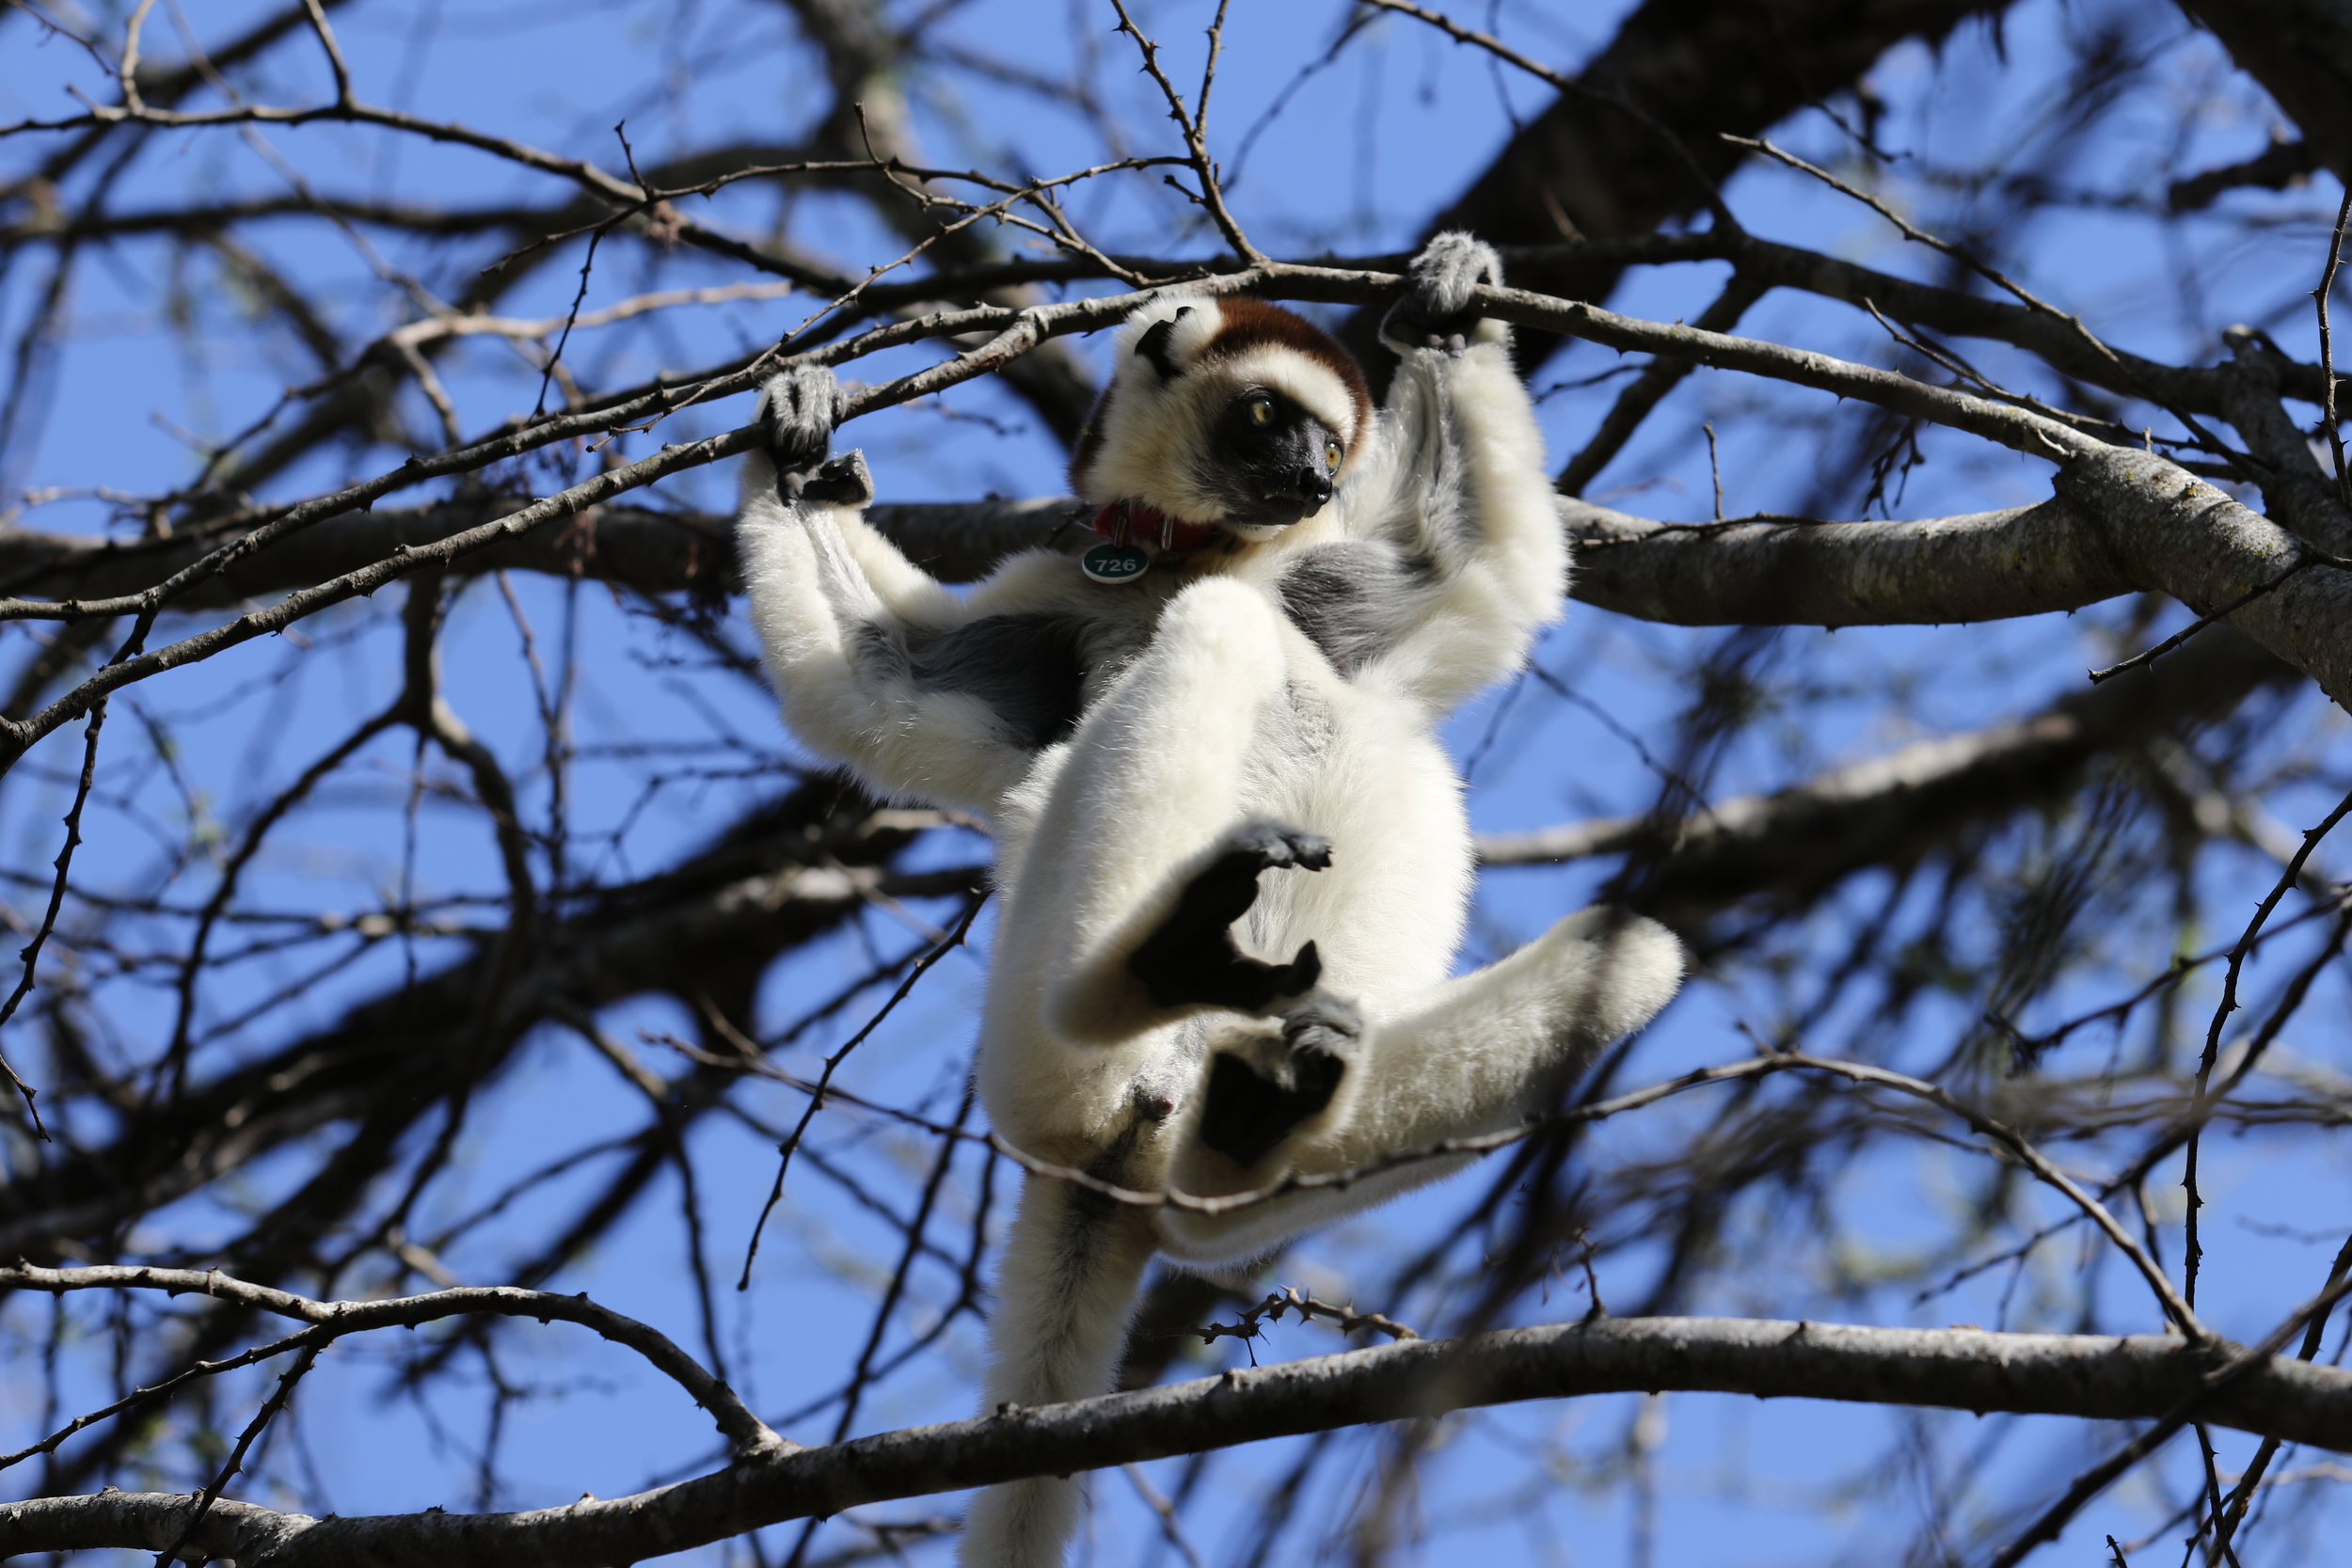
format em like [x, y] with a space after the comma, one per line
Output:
[1362, 152]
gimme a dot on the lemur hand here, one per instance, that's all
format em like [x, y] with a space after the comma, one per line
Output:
[799, 409]
[1436, 310]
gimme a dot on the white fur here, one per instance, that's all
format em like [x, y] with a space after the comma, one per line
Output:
[1222, 712]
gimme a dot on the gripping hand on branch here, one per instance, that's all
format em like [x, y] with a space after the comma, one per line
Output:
[1436, 310]
[799, 410]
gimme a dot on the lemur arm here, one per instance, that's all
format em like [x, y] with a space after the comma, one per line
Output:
[835, 605]
[1460, 487]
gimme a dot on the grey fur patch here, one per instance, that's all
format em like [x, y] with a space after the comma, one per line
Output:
[1030, 670]
[1351, 600]
[879, 652]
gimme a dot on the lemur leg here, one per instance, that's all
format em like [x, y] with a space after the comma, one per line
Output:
[1468, 1056]
[1142, 856]
[833, 601]
[1263, 1083]
[1063, 1295]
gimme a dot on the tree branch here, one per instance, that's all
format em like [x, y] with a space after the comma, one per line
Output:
[765, 885]
[1980, 566]
[2171, 531]
[1585, 168]
[1894, 809]
[2099, 1377]
[2301, 52]
[333, 1319]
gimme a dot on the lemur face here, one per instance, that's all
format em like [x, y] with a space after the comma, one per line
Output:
[1270, 461]
[1232, 413]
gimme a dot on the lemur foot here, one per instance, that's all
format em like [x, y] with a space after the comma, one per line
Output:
[799, 410]
[1259, 1092]
[1191, 959]
[1435, 312]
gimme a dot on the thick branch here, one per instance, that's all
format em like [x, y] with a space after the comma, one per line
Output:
[1981, 567]
[1894, 809]
[1585, 167]
[2301, 51]
[653, 552]
[2100, 1377]
[2196, 544]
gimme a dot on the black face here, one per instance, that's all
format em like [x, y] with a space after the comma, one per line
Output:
[1272, 461]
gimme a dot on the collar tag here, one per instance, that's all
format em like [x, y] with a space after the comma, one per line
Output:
[1115, 562]
[1131, 526]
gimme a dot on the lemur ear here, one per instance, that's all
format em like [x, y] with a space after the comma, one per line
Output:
[1153, 345]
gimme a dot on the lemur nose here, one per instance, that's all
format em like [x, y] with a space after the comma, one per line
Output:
[1315, 485]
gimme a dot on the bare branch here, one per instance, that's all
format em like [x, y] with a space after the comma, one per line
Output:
[332, 1320]
[1981, 567]
[2101, 1377]
[2274, 168]
[30, 954]
[1920, 236]
[334, 51]
[1893, 810]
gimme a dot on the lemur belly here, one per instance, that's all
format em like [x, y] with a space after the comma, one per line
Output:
[1357, 765]
[1348, 760]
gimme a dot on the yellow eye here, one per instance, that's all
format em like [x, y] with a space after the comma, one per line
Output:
[1260, 412]
[1330, 454]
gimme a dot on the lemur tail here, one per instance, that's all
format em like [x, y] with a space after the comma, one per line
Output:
[1063, 1295]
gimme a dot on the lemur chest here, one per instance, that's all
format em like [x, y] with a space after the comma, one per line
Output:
[1037, 670]
[1327, 745]
[1352, 599]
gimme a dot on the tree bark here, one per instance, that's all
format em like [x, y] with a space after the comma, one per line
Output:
[2098, 1377]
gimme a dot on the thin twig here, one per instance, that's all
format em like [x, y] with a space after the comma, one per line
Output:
[2326, 354]
[30, 953]
[261, 1418]
[2100, 1476]
[1193, 128]
[2221, 613]
[2192, 1252]
[1990, 273]
[1760, 1066]
[1154, 1499]
[334, 51]
[330, 1321]
[126, 75]
[947, 944]
[1289, 1298]
[2233, 1510]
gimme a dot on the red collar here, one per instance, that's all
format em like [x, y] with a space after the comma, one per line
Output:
[1132, 522]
